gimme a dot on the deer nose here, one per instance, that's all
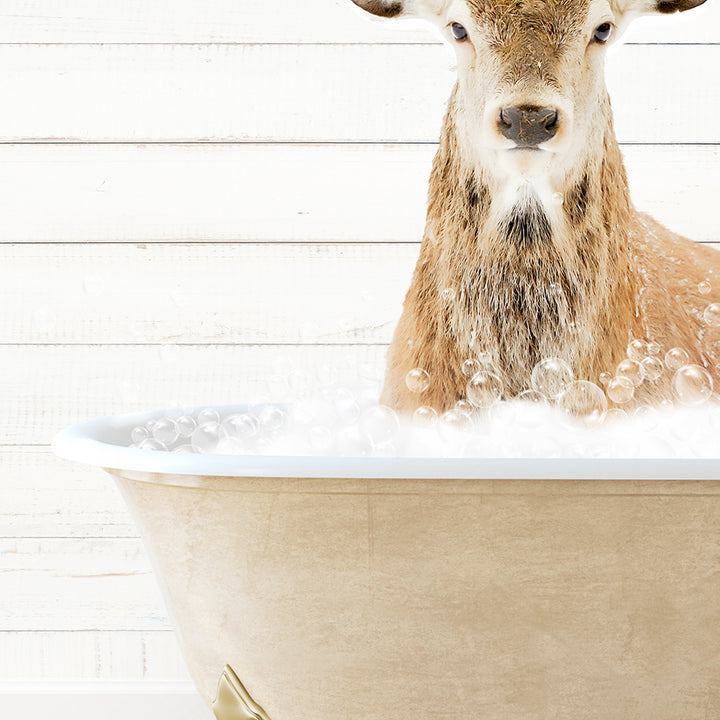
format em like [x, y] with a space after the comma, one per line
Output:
[528, 125]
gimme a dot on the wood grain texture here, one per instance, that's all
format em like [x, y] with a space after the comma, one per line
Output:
[275, 192]
[312, 21]
[341, 93]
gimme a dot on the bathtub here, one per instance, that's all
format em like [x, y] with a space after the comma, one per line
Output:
[412, 589]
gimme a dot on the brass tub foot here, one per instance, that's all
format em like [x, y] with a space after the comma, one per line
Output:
[233, 702]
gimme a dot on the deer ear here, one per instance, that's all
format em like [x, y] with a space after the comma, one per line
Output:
[383, 8]
[671, 6]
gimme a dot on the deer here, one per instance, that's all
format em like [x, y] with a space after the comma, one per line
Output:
[532, 247]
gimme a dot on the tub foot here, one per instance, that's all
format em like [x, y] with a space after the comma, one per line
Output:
[233, 702]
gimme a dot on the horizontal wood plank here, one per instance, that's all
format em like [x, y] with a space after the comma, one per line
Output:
[42, 496]
[211, 292]
[340, 93]
[91, 655]
[356, 193]
[312, 21]
[78, 584]
[46, 388]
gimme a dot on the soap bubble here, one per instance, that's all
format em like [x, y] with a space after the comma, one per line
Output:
[704, 288]
[208, 415]
[532, 396]
[453, 422]
[186, 425]
[620, 390]
[166, 431]
[205, 437]
[484, 389]
[675, 358]
[239, 426]
[426, 415]
[711, 315]
[692, 385]
[632, 370]
[637, 350]
[646, 417]
[138, 434]
[605, 378]
[448, 294]
[654, 348]
[271, 419]
[584, 401]
[614, 415]
[417, 380]
[652, 367]
[485, 360]
[550, 377]
[152, 444]
[470, 367]
[465, 406]
[380, 424]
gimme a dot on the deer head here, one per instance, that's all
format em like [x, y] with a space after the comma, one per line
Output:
[531, 91]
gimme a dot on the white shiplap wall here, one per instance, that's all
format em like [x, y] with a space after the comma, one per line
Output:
[190, 191]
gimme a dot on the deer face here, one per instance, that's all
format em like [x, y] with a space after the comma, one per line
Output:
[531, 90]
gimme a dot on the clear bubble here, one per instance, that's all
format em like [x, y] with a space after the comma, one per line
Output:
[453, 422]
[380, 424]
[550, 377]
[345, 405]
[620, 390]
[470, 367]
[615, 415]
[239, 426]
[654, 348]
[321, 439]
[675, 358]
[417, 380]
[584, 401]
[711, 314]
[208, 415]
[692, 385]
[152, 444]
[138, 434]
[166, 431]
[465, 406]
[632, 370]
[652, 367]
[637, 350]
[205, 437]
[486, 362]
[186, 425]
[605, 378]
[704, 288]
[532, 396]
[426, 416]
[271, 419]
[448, 294]
[484, 389]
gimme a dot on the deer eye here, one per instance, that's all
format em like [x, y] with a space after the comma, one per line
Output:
[602, 33]
[458, 32]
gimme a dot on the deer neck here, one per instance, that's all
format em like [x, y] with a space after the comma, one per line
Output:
[533, 275]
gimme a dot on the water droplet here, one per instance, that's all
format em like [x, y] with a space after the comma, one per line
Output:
[584, 401]
[675, 358]
[652, 367]
[692, 385]
[550, 377]
[448, 294]
[484, 389]
[637, 350]
[417, 380]
[632, 370]
[165, 431]
[426, 416]
[704, 288]
[620, 390]
[711, 315]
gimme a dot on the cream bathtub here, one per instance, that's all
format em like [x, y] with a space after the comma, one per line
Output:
[414, 589]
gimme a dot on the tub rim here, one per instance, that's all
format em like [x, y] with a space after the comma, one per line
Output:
[91, 443]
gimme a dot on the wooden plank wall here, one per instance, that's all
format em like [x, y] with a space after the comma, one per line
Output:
[196, 196]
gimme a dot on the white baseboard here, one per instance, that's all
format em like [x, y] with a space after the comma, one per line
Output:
[101, 700]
